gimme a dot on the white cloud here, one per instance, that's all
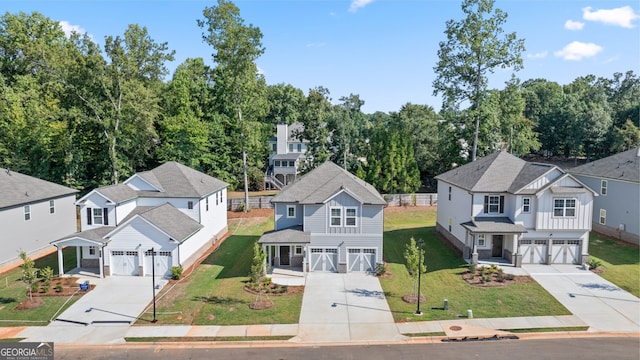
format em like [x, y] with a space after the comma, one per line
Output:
[578, 50]
[540, 55]
[357, 4]
[573, 25]
[622, 16]
[68, 28]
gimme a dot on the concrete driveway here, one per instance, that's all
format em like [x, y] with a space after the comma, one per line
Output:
[101, 316]
[599, 303]
[345, 308]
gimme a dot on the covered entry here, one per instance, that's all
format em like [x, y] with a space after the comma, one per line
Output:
[285, 248]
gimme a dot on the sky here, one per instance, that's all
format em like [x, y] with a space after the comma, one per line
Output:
[384, 51]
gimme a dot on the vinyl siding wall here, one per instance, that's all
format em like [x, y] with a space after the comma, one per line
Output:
[545, 219]
[455, 210]
[281, 219]
[34, 236]
[618, 203]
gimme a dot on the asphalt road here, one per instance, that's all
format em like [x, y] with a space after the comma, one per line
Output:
[589, 348]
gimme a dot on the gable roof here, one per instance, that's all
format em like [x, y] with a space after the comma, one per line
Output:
[177, 180]
[117, 193]
[324, 182]
[176, 224]
[498, 172]
[18, 189]
[622, 166]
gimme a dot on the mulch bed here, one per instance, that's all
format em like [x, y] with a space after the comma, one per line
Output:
[494, 279]
[69, 287]
[413, 299]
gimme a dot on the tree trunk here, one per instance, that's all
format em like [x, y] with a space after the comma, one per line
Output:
[244, 162]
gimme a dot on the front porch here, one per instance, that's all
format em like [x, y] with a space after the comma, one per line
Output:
[493, 239]
[89, 247]
[286, 252]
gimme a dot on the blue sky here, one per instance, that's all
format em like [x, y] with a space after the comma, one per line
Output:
[382, 50]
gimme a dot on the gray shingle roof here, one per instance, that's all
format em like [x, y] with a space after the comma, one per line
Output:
[96, 235]
[177, 180]
[292, 235]
[18, 189]
[167, 218]
[324, 182]
[622, 166]
[498, 172]
[118, 193]
[493, 225]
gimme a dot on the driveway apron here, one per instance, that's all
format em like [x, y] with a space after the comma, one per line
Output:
[345, 307]
[101, 316]
[599, 303]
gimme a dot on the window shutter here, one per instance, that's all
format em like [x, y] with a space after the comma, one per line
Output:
[105, 216]
[88, 216]
[486, 204]
[501, 204]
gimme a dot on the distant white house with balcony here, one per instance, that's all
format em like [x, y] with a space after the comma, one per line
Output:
[287, 155]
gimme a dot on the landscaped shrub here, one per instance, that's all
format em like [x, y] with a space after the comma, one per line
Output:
[594, 263]
[58, 288]
[176, 272]
[380, 269]
[472, 269]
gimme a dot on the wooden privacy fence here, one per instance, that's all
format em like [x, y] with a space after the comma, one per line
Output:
[264, 202]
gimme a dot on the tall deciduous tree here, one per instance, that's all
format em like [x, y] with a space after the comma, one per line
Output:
[316, 114]
[236, 47]
[286, 104]
[475, 47]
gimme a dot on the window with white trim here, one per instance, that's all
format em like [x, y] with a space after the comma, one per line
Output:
[350, 216]
[190, 205]
[603, 217]
[335, 216]
[92, 250]
[52, 206]
[291, 211]
[482, 240]
[276, 163]
[565, 207]
[299, 147]
[603, 188]
[526, 205]
[97, 216]
[298, 250]
[494, 204]
[27, 212]
[290, 147]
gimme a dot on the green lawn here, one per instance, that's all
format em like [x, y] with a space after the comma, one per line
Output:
[621, 262]
[443, 280]
[213, 294]
[13, 292]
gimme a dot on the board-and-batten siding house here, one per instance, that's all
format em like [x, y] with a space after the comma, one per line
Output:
[616, 211]
[175, 210]
[286, 156]
[33, 212]
[500, 207]
[327, 220]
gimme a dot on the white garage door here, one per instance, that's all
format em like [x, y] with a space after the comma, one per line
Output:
[124, 262]
[323, 259]
[362, 260]
[163, 263]
[565, 252]
[533, 251]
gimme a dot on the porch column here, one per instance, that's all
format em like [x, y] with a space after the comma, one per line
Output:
[60, 261]
[78, 255]
[264, 264]
[101, 262]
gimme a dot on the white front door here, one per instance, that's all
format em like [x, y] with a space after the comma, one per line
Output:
[124, 262]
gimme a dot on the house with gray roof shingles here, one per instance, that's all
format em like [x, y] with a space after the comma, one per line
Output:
[286, 156]
[616, 211]
[327, 220]
[32, 213]
[502, 208]
[175, 210]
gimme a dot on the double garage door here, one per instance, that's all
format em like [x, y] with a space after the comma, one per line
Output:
[562, 251]
[128, 263]
[326, 259]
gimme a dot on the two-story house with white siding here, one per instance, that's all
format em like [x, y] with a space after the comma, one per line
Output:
[500, 207]
[32, 213]
[175, 210]
[287, 155]
[327, 220]
[616, 211]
